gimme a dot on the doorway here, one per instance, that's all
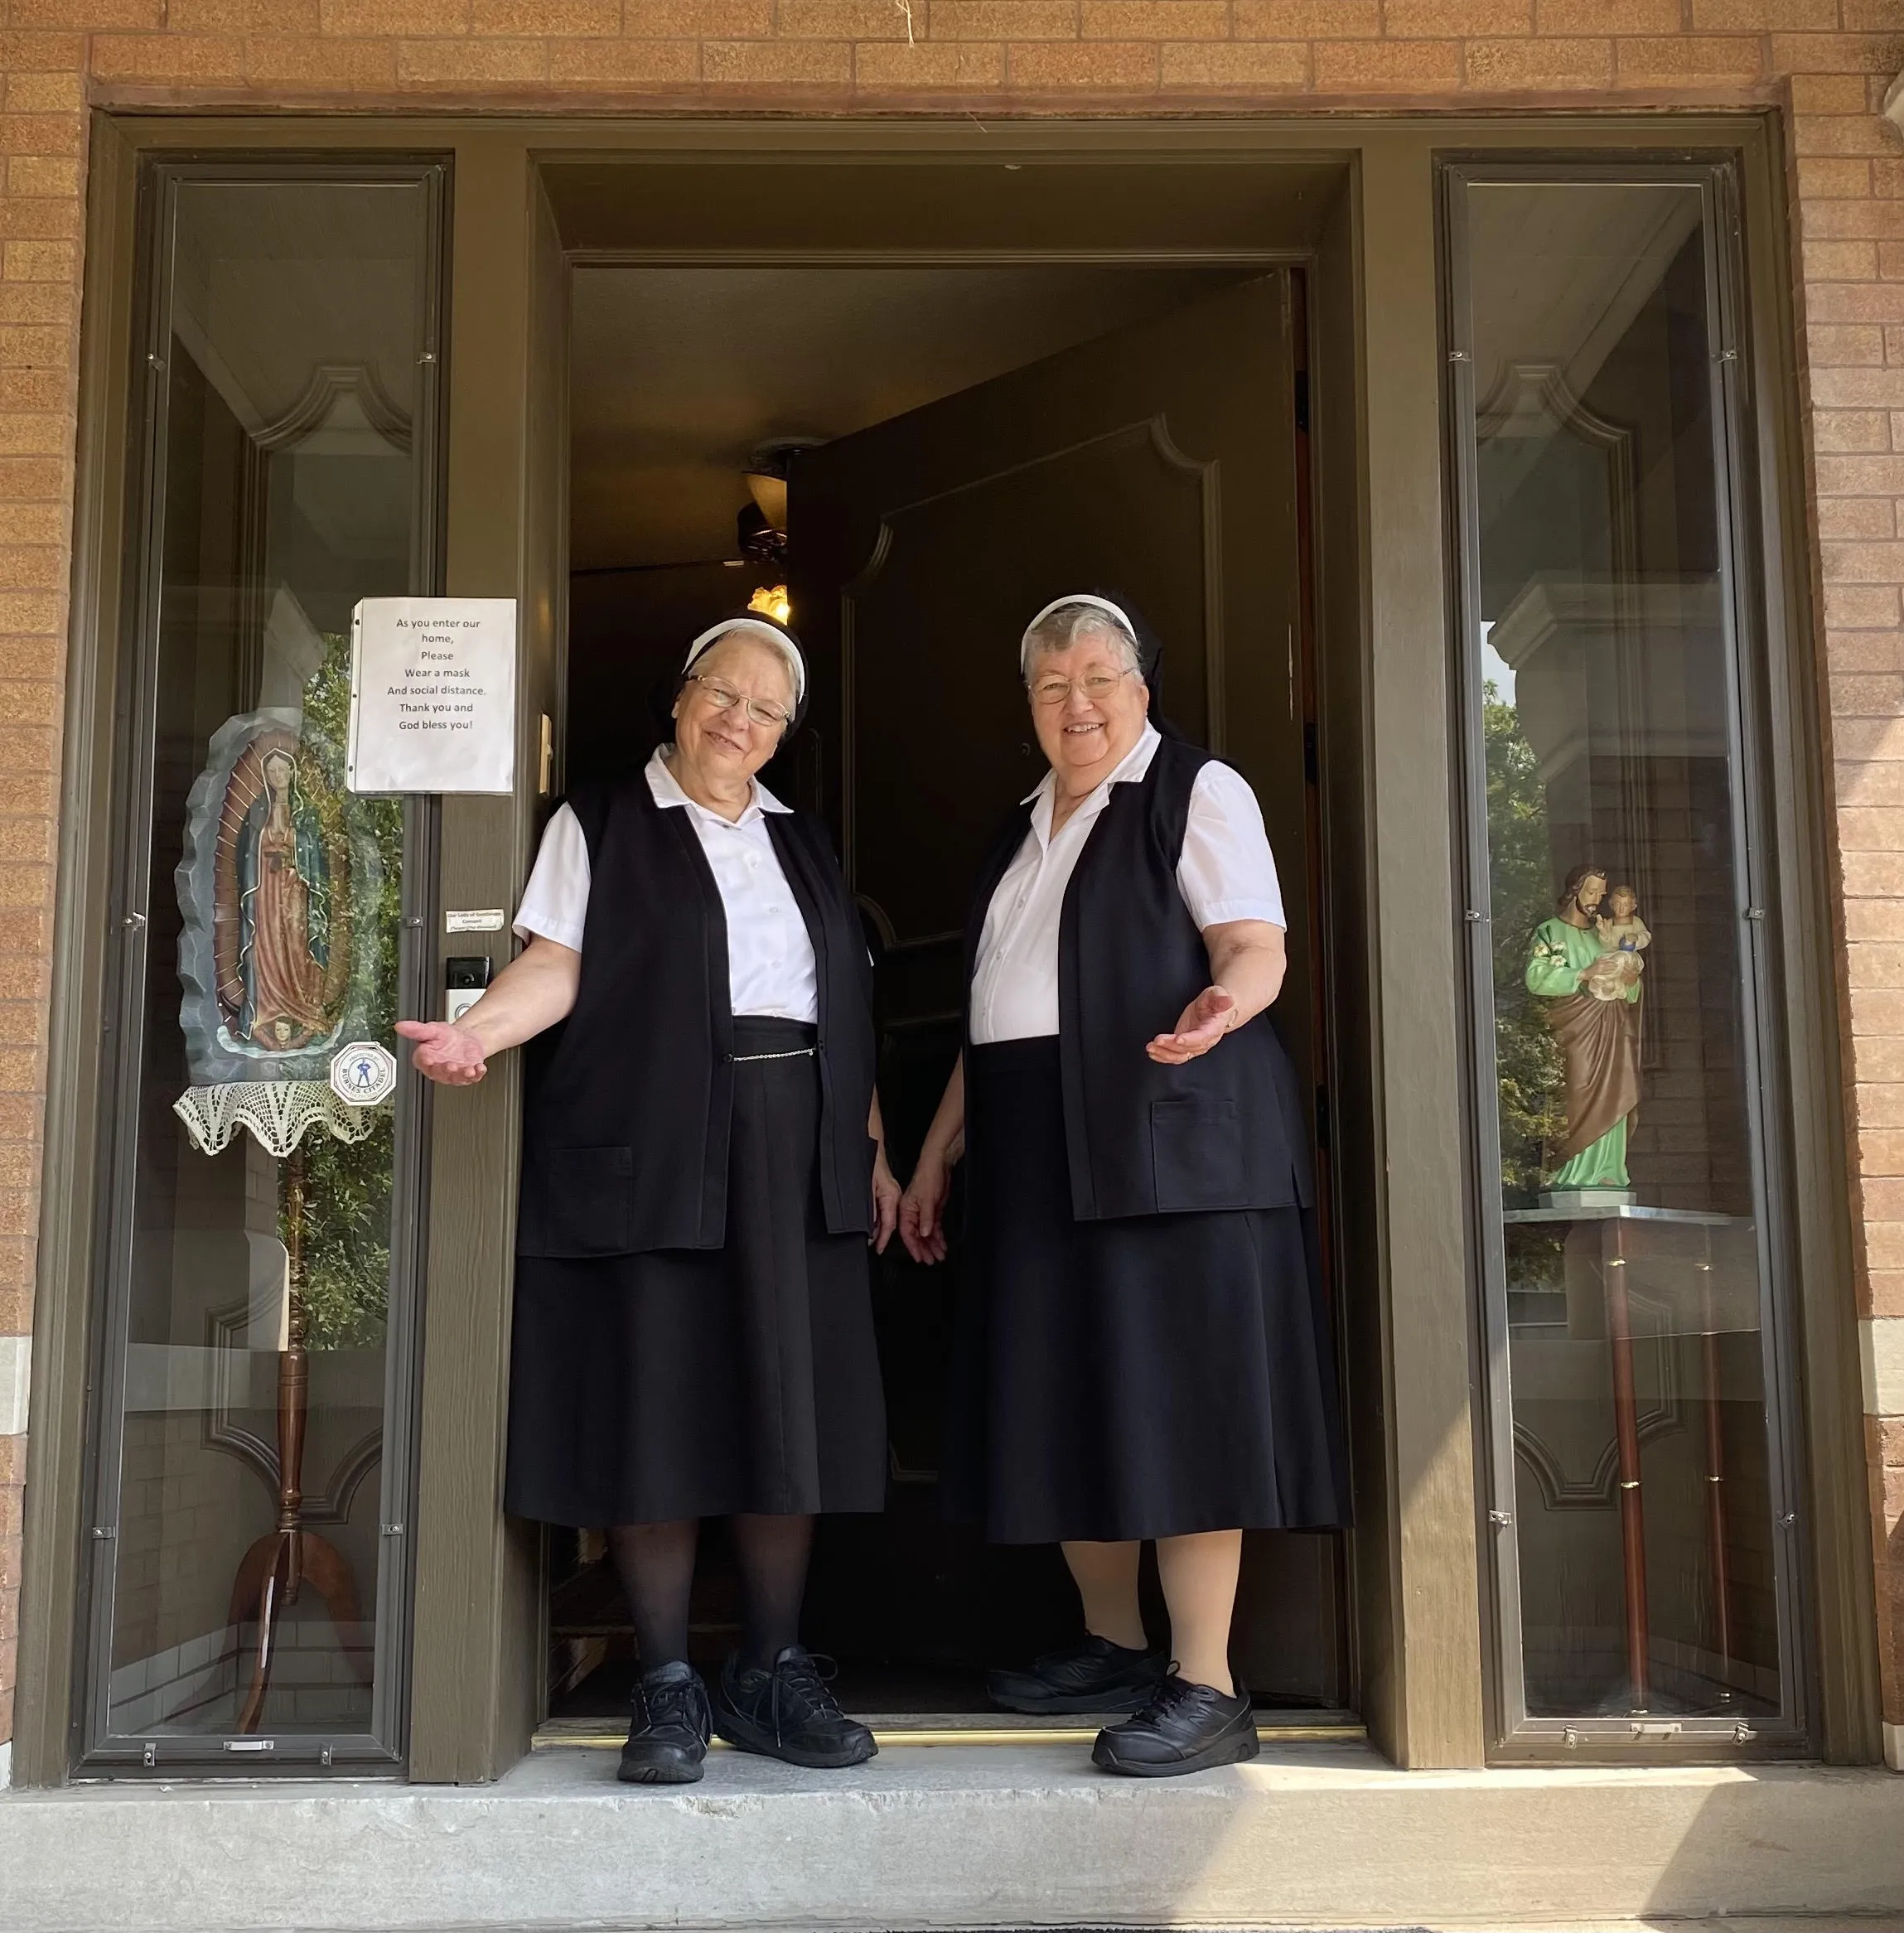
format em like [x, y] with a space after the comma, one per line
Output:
[917, 449]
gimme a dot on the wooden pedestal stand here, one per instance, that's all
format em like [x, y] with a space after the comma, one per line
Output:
[275, 1568]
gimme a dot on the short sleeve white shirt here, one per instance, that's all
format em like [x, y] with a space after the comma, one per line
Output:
[771, 966]
[1226, 872]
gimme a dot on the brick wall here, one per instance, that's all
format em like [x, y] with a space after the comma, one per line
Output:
[1830, 59]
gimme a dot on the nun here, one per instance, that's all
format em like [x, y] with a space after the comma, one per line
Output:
[1142, 1351]
[702, 1170]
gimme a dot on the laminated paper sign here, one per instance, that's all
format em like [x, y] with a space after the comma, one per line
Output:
[432, 695]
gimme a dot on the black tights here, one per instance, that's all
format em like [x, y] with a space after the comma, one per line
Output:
[655, 1563]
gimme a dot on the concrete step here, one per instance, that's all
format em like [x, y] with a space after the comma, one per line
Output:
[1308, 1836]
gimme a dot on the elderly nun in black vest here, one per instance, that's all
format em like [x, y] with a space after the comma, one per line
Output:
[1143, 1350]
[701, 1172]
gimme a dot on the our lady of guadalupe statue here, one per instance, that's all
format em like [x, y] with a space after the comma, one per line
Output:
[1585, 968]
[276, 993]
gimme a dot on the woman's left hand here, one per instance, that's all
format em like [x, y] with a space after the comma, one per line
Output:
[885, 1193]
[1202, 1024]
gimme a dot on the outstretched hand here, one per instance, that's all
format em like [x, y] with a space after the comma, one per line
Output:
[444, 1052]
[1200, 1025]
[884, 1202]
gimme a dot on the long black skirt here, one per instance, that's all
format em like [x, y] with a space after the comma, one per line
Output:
[1150, 1376]
[699, 1383]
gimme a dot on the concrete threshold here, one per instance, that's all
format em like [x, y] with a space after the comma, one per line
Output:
[1022, 1836]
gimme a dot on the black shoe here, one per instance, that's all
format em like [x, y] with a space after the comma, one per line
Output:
[668, 1738]
[788, 1713]
[1094, 1676]
[1184, 1728]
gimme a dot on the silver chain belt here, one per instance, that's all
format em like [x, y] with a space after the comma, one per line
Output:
[791, 1054]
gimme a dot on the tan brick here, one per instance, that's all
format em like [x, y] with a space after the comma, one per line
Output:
[1857, 388]
[32, 523]
[1861, 475]
[28, 701]
[1843, 134]
[406, 17]
[843, 20]
[1429, 19]
[33, 479]
[523, 19]
[1153, 20]
[1104, 66]
[88, 16]
[776, 63]
[1543, 63]
[22, 435]
[53, 134]
[43, 185]
[1764, 16]
[694, 20]
[1385, 66]
[30, 749]
[30, 611]
[55, 303]
[1829, 94]
[26, 837]
[1004, 20]
[1880, 1154]
[929, 64]
[458, 63]
[168, 56]
[1607, 17]
[1845, 346]
[1855, 517]
[1883, 220]
[1839, 261]
[44, 94]
[285, 19]
[31, 566]
[1839, 53]
[1252, 64]
[1891, 259]
[1307, 20]
[1821, 180]
[1689, 60]
[12, 1459]
[1855, 301]
[626, 63]
[35, 52]
[1854, 696]
[1887, 178]
[320, 61]
[32, 261]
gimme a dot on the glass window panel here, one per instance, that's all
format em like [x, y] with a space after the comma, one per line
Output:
[253, 1242]
[1645, 1562]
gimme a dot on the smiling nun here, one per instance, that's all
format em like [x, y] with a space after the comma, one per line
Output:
[701, 1171]
[1144, 1351]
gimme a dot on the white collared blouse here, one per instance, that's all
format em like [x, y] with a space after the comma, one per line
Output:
[1226, 872]
[771, 966]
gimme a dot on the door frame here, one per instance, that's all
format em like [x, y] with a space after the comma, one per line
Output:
[1424, 1634]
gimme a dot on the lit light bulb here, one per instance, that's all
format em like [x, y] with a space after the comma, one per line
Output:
[771, 601]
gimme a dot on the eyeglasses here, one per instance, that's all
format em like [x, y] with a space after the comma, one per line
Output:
[723, 698]
[1096, 686]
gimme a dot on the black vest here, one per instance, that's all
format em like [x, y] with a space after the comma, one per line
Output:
[1226, 1130]
[628, 1103]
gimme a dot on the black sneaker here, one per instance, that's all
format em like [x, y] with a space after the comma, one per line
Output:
[668, 1738]
[1184, 1728]
[788, 1713]
[1094, 1676]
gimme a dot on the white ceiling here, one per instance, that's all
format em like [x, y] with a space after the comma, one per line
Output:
[677, 374]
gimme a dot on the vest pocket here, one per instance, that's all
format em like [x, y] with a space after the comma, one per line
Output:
[1196, 1153]
[587, 1194]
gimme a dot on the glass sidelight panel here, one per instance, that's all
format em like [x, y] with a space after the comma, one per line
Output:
[1627, 1215]
[249, 1579]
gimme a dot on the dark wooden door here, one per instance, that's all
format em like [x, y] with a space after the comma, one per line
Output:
[1158, 463]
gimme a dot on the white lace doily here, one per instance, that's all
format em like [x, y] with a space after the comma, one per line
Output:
[278, 1113]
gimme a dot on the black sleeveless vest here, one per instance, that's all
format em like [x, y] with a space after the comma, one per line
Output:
[1226, 1130]
[628, 1102]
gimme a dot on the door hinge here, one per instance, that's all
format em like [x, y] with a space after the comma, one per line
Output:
[1312, 754]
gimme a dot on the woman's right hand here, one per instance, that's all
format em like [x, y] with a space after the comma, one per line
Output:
[922, 1209]
[445, 1052]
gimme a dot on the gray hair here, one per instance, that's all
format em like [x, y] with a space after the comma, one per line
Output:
[1058, 626]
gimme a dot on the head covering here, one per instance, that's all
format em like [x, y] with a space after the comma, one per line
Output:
[1131, 619]
[1096, 603]
[775, 634]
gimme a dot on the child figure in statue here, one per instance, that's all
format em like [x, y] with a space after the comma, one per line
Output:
[1620, 929]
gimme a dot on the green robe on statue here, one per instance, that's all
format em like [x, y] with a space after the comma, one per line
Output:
[1601, 1041]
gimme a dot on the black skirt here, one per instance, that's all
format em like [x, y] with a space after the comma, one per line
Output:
[1145, 1377]
[697, 1383]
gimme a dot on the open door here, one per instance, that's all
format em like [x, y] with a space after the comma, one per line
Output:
[1160, 463]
